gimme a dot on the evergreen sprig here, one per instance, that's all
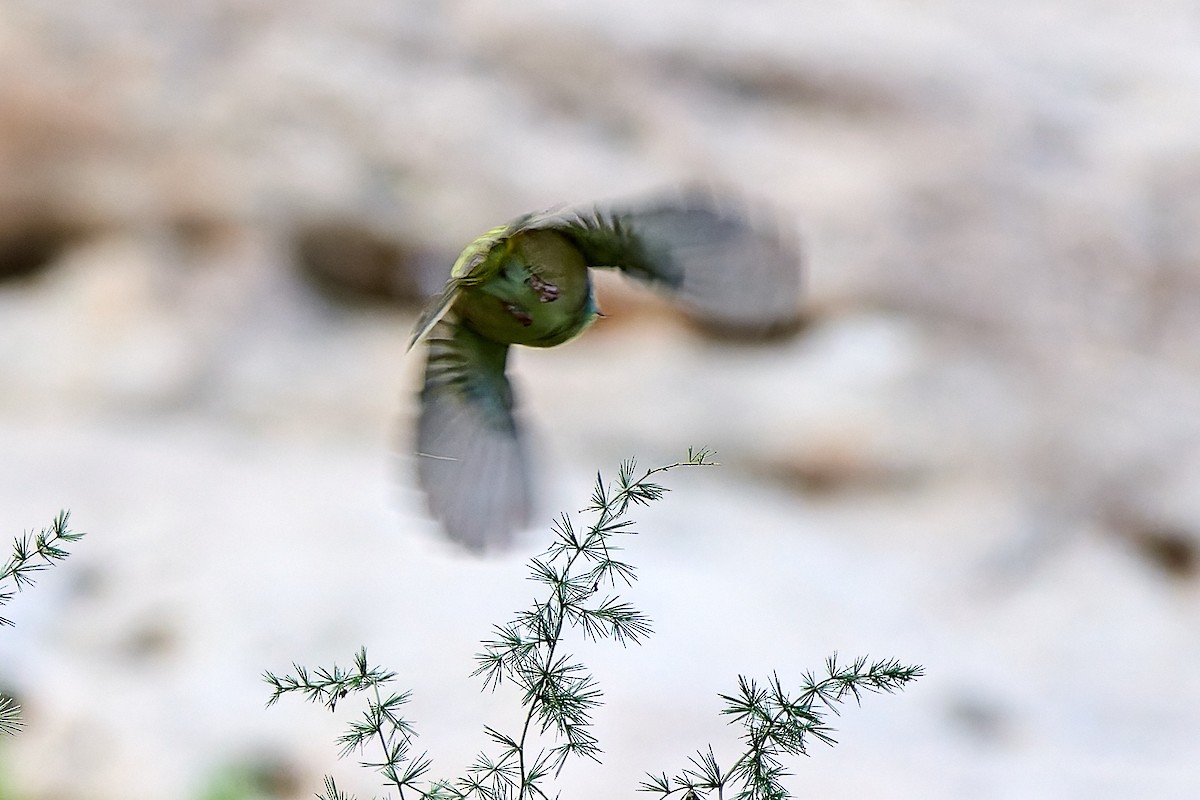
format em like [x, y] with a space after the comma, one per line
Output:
[776, 723]
[31, 554]
[381, 724]
[558, 694]
[10, 716]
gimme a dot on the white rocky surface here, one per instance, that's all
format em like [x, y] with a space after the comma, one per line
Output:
[982, 455]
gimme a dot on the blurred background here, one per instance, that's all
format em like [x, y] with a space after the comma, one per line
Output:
[982, 452]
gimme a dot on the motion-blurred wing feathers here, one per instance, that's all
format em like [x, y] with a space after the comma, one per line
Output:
[434, 312]
[720, 266]
[470, 453]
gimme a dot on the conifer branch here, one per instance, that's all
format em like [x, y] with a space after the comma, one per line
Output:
[577, 574]
[32, 553]
[776, 724]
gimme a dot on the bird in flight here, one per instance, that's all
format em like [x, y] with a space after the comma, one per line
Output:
[529, 283]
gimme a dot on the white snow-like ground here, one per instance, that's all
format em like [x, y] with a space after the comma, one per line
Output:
[957, 463]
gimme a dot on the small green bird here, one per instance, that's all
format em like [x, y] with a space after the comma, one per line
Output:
[529, 283]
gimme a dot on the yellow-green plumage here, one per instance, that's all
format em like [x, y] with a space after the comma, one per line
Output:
[537, 292]
[529, 283]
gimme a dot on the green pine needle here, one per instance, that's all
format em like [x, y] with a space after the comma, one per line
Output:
[559, 694]
[10, 716]
[32, 553]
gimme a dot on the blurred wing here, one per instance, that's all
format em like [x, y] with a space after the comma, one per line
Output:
[724, 269]
[433, 313]
[470, 455]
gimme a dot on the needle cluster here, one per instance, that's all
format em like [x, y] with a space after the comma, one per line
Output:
[776, 723]
[31, 554]
[578, 575]
[381, 724]
[558, 693]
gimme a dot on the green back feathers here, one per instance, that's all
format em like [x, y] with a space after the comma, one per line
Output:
[476, 264]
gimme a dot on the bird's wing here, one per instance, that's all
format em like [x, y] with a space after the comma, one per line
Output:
[470, 453]
[434, 312]
[713, 259]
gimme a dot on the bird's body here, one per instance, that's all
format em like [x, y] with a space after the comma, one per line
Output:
[534, 290]
[529, 283]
